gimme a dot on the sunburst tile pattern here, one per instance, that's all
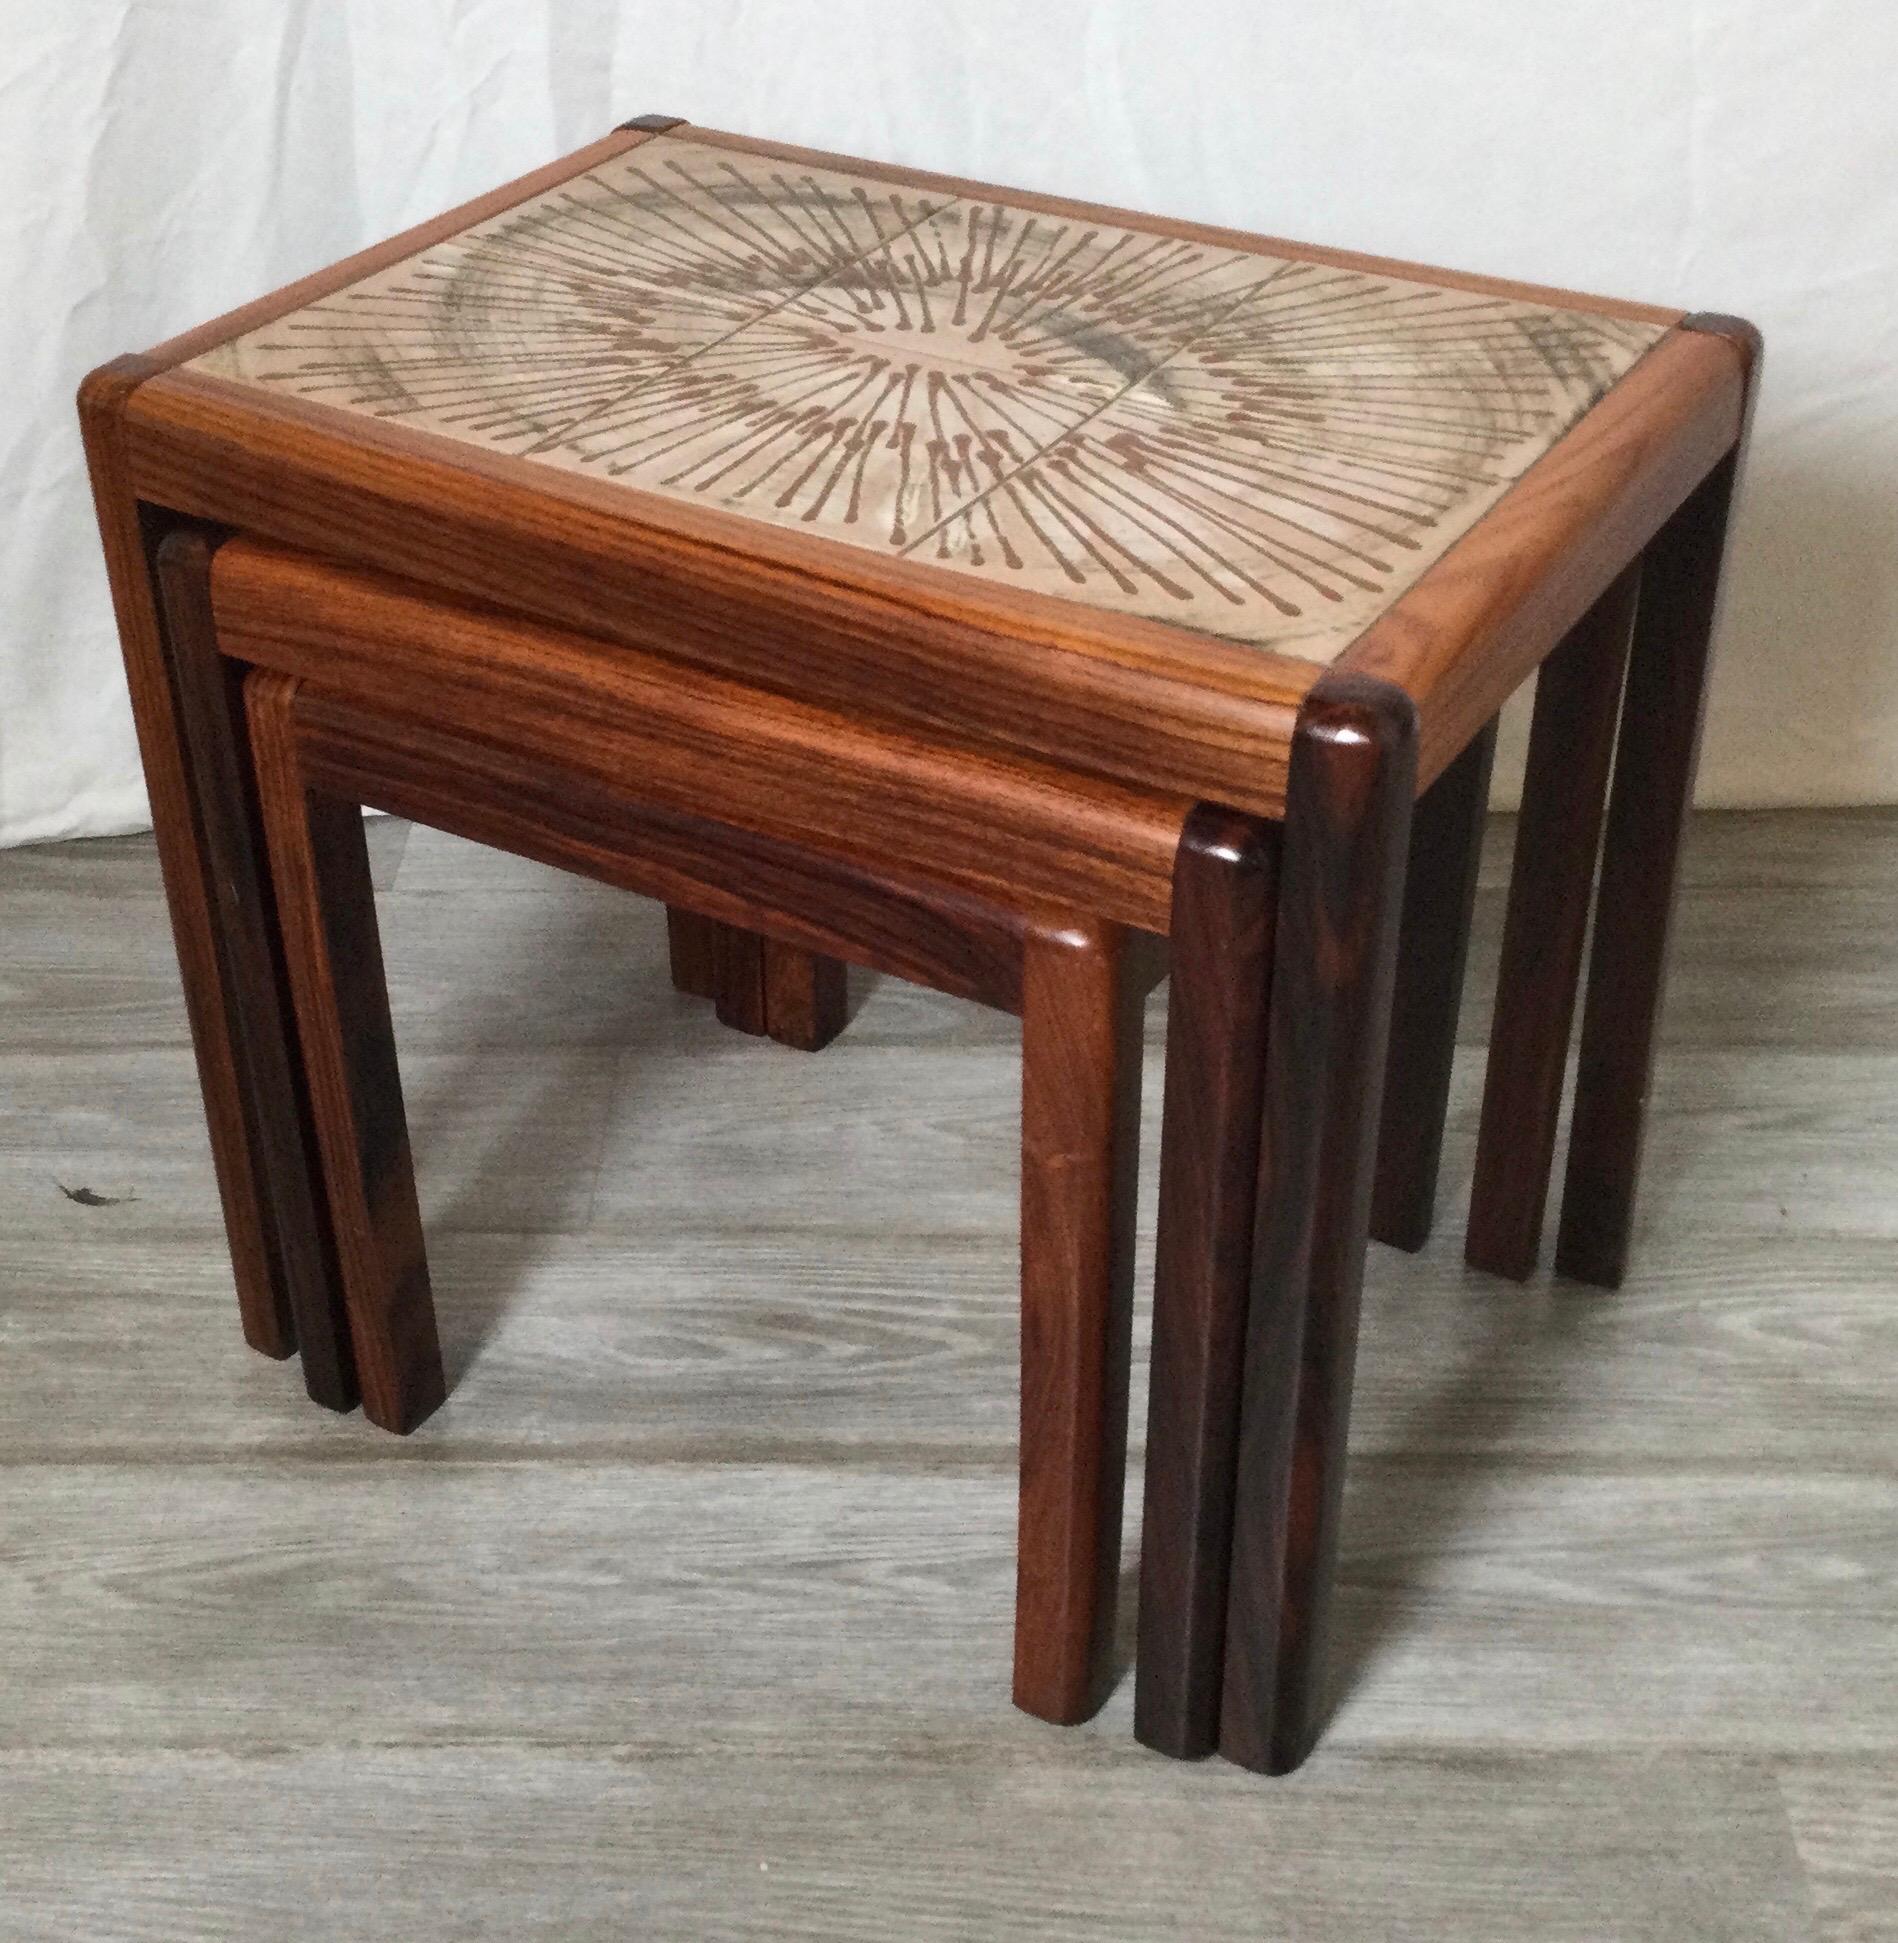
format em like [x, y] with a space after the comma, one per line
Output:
[1262, 448]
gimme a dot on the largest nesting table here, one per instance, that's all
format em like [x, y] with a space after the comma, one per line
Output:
[1225, 538]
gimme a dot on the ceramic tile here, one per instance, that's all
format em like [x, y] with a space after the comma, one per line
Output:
[1297, 463]
[519, 330]
[1267, 449]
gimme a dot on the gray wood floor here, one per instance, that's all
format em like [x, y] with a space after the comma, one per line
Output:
[688, 1617]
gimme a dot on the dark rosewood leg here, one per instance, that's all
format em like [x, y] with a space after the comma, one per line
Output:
[1446, 841]
[327, 911]
[794, 995]
[1654, 787]
[738, 979]
[691, 946]
[1081, 1006]
[1571, 744]
[275, 1108]
[1225, 893]
[1347, 818]
[131, 534]
[804, 996]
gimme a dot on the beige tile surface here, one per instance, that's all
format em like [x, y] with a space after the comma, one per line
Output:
[1259, 448]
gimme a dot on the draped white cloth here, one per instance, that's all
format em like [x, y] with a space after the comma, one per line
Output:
[164, 159]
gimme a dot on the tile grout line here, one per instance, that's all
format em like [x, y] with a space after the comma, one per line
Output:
[567, 436]
[1281, 265]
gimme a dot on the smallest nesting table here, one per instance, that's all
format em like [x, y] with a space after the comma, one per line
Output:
[1010, 593]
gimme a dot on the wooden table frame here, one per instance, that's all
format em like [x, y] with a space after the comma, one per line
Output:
[1290, 792]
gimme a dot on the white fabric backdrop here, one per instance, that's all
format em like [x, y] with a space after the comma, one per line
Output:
[164, 159]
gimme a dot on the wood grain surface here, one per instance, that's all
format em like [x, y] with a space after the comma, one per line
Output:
[566, 1845]
[130, 535]
[691, 952]
[274, 1099]
[1656, 755]
[1225, 898]
[1551, 892]
[1614, 1606]
[327, 913]
[1082, 1003]
[705, 746]
[806, 1001]
[738, 980]
[845, 905]
[1347, 832]
[1446, 840]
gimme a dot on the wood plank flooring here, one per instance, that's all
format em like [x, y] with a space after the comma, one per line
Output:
[688, 1617]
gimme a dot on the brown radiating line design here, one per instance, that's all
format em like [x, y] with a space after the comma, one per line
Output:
[1258, 447]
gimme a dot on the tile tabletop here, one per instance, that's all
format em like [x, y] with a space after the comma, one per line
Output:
[1260, 447]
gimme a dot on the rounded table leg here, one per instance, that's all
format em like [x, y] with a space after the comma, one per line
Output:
[273, 1100]
[1225, 893]
[691, 944]
[1081, 1054]
[805, 1001]
[1347, 822]
[1446, 842]
[1558, 835]
[1655, 761]
[327, 910]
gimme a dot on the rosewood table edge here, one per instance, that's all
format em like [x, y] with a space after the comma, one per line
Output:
[348, 746]
[254, 576]
[1455, 648]
[1740, 332]
[374, 643]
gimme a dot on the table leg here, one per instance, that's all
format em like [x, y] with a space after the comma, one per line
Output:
[1446, 843]
[805, 1002]
[1647, 817]
[1082, 1000]
[275, 1106]
[1347, 821]
[1225, 895]
[326, 907]
[131, 533]
[1558, 837]
[738, 995]
[758, 985]
[691, 945]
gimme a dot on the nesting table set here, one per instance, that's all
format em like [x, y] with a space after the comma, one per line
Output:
[1024, 598]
